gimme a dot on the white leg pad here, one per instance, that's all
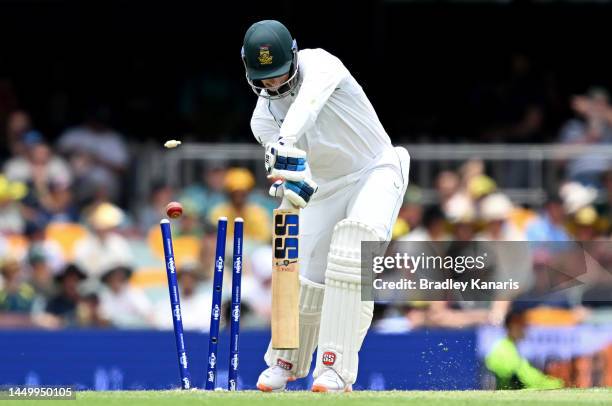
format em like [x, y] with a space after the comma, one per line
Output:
[345, 317]
[298, 361]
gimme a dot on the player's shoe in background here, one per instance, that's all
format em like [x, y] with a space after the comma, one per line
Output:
[330, 381]
[274, 379]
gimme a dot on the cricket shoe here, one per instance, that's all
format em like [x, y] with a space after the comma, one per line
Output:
[330, 381]
[274, 379]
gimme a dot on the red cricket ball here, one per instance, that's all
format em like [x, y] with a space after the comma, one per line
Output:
[174, 210]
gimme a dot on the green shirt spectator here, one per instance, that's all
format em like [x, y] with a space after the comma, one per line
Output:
[514, 372]
[15, 296]
[511, 370]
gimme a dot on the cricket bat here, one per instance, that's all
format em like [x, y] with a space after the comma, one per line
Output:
[285, 277]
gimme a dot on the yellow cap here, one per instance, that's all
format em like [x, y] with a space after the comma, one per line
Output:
[587, 216]
[12, 190]
[106, 216]
[239, 179]
[400, 228]
[481, 185]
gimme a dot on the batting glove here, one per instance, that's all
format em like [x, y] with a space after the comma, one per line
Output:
[298, 193]
[285, 162]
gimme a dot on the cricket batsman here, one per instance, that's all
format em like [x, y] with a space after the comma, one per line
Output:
[323, 138]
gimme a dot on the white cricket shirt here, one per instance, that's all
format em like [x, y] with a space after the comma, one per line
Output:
[330, 117]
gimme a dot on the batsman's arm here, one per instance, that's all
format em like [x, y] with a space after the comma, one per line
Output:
[318, 84]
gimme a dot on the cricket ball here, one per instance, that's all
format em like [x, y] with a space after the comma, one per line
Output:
[174, 210]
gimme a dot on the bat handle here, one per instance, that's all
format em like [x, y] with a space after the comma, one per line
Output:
[286, 204]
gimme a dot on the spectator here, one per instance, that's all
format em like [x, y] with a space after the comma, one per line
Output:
[209, 192]
[593, 126]
[98, 155]
[511, 370]
[495, 210]
[88, 311]
[189, 223]
[510, 261]
[103, 247]
[41, 276]
[208, 249]
[576, 196]
[410, 214]
[39, 245]
[16, 295]
[257, 225]
[11, 195]
[257, 285]
[447, 185]
[460, 212]
[195, 302]
[480, 186]
[549, 225]
[122, 305]
[64, 304]
[39, 166]
[149, 216]
[261, 197]
[433, 228]
[471, 170]
[61, 207]
[585, 224]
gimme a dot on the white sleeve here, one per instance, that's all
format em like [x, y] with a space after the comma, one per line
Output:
[141, 305]
[319, 81]
[263, 125]
[106, 306]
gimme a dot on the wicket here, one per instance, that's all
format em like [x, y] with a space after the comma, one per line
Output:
[215, 314]
[211, 374]
[175, 303]
[232, 379]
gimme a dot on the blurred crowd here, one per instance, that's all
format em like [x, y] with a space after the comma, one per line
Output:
[471, 208]
[73, 255]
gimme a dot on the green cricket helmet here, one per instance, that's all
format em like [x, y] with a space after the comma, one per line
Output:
[268, 52]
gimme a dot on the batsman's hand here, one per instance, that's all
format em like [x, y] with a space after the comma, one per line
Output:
[298, 193]
[285, 162]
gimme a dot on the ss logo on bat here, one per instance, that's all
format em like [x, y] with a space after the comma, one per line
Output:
[286, 229]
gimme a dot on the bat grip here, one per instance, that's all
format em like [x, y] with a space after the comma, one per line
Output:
[286, 204]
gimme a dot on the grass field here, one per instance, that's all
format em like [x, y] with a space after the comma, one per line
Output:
[574, 397]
